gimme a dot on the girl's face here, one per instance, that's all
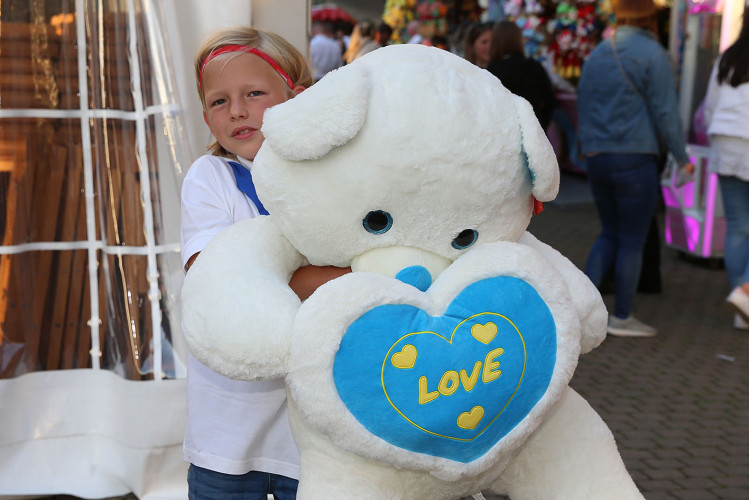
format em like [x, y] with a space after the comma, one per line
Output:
[238, 87]
[481, 48]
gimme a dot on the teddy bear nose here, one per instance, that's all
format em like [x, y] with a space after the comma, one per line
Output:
[411, 265]
[417, 276]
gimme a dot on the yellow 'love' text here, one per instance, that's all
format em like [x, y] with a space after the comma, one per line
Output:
[452, 379]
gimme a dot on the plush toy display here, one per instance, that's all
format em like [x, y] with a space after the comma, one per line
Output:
[440, 366]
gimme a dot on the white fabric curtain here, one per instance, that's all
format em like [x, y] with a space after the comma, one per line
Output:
[99, 122]
[92, 156]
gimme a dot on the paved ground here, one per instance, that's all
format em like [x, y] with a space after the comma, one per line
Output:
[678, 403]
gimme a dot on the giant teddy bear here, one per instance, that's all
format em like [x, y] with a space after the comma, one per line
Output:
[440, 366]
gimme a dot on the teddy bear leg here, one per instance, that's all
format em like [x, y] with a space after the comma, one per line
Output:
[331, 473]
[571, 456]
[325, 478]
[328, 472]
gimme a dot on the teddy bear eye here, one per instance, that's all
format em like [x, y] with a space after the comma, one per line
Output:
[377, 222]
[465, 239]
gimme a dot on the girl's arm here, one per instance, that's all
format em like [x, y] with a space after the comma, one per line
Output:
[205, 202]
[663, 105]
[307, 279]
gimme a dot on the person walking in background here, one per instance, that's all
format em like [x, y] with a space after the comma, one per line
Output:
[380, 38]
[727, 116]
[477, 43]
[413, 29]
[238, 440]
[324, 51]
[521, 75]
[627, 105]
[439, 41]
[360, 36]
[342, 35]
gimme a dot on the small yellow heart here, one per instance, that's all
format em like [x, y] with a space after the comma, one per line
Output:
[484, 333]
[406, 358]
[470, 419]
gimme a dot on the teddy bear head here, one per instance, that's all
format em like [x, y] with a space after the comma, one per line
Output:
[409, 147]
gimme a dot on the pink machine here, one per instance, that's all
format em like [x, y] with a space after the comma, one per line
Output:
[694, 221]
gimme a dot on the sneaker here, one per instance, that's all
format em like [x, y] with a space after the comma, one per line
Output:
[630, 327]
[739, 323]
[740, 300]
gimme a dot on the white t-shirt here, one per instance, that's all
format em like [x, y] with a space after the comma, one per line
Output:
[726, 107]
[232, 426]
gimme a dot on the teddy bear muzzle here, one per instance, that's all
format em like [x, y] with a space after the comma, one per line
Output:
[411, 265]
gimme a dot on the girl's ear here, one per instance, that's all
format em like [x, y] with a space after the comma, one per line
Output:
[298, 90]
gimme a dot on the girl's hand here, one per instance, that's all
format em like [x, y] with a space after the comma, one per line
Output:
[307, 279]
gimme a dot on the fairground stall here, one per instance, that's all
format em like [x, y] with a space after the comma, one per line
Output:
[98, 123]
[694, 218]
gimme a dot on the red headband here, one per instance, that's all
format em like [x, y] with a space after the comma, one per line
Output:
[245, 48]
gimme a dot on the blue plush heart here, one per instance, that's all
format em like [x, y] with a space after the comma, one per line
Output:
[449, 386]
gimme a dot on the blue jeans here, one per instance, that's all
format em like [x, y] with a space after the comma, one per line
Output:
[625, 190]
[736, 205]
[204, 484]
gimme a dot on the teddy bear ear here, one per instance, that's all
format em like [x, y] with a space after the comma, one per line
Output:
[322, 117]
[539, 155]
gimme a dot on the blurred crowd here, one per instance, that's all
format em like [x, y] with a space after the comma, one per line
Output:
[498, 47]
[624, 126]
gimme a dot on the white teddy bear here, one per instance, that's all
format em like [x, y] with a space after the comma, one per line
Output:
[440, 366]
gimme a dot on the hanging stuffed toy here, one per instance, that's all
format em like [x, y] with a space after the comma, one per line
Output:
[440, 366]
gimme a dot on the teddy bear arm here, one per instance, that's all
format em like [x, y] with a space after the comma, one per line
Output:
[585, 296]
[572, 455]
[241, 276]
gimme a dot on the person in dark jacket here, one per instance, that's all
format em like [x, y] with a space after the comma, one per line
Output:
[627, 104]
[521, 75]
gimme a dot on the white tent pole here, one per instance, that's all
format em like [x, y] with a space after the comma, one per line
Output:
[154, 294]
[88, 178]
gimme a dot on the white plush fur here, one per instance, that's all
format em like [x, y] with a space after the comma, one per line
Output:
[442, 147]
[233, 285]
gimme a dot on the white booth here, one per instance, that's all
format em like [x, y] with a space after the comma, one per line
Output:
[99, 121]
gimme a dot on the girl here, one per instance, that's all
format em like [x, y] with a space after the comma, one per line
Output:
[238, 440]
[727, 115]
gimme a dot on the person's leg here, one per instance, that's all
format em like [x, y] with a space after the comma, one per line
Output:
[283, 488]
[735, 194]
[603, 253]
[650, 273]
[636, 199]
[204, 484]
[736, 252]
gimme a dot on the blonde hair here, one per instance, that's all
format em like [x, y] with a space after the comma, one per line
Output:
[289, 58]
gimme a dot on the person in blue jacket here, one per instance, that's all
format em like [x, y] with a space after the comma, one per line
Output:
[627, 108]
